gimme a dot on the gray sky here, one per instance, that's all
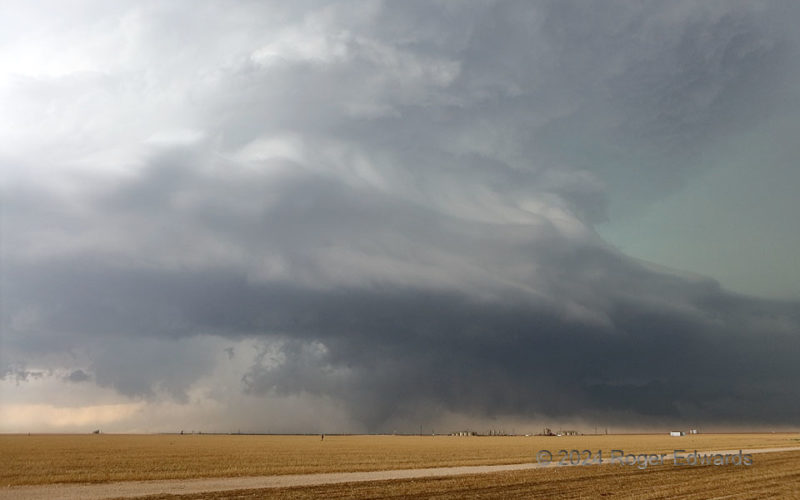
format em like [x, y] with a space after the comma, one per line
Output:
[367, 216]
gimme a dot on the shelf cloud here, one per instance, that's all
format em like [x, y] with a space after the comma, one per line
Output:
[364, 216]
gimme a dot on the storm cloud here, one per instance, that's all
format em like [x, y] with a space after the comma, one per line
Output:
[368, 215]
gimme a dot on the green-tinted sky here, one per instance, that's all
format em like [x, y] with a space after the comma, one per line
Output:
[738, 221]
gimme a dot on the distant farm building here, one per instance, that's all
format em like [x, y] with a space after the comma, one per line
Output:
[677, 433]
[464, 433]
[548, 432]
[494, 432]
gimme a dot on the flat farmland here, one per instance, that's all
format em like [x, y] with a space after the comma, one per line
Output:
[772, 475]
[47, 459]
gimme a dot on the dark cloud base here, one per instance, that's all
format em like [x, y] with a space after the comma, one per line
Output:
[395, 353]
[398, 203]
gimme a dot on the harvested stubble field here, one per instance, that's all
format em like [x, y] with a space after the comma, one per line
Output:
[44, 459]
[772, 475]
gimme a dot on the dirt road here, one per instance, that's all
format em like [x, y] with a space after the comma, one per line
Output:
[131, 489]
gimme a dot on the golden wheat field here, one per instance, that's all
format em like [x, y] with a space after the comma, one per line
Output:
[44, 459]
